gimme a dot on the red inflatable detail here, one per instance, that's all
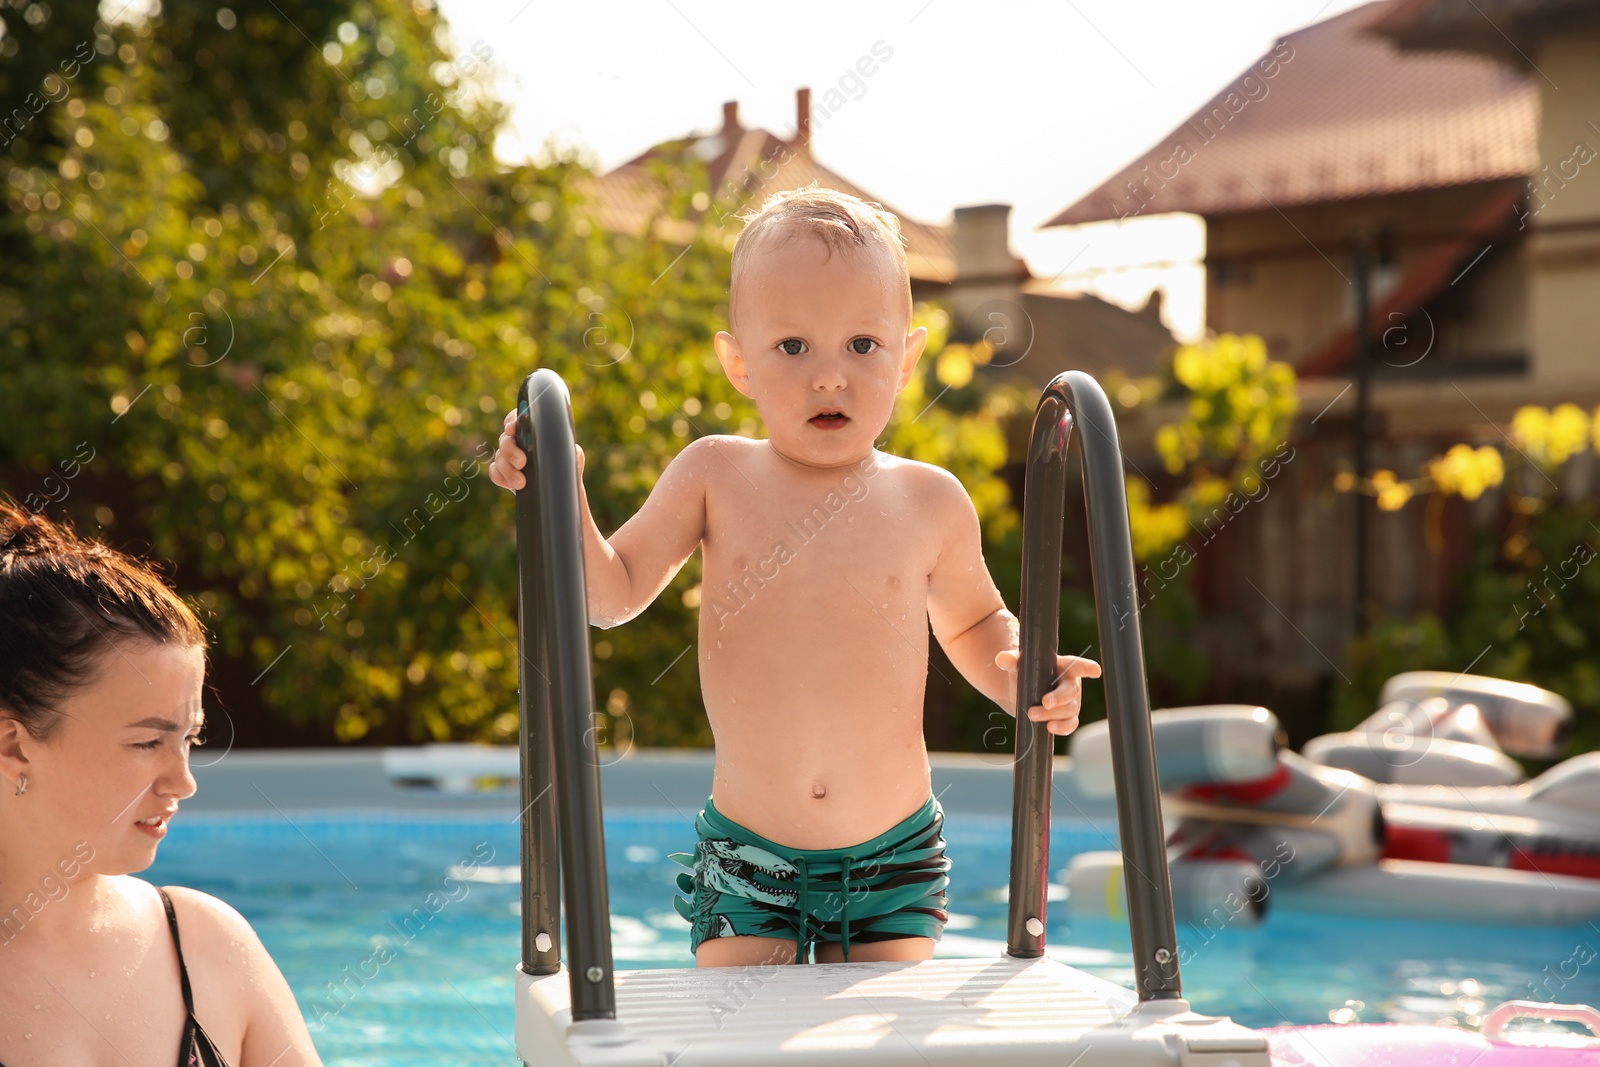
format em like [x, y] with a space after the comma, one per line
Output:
[1416, 843]
[1244, 792]
[1581, 864]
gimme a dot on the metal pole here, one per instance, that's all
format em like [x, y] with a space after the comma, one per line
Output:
[556, 642]
[541, 857]
[1039, 619]
[1363, 353]
[1074, 398]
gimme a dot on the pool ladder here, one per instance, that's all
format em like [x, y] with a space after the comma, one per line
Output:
[563, 843]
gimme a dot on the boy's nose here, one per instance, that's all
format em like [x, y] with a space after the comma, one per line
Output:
[828, 377]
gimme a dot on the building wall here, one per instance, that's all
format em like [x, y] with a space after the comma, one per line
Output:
[1565, 292]
[1288, 276]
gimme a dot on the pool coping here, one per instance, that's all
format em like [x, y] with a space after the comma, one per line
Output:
[451, 778]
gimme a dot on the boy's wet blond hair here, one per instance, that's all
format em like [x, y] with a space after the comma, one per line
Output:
[845, 223]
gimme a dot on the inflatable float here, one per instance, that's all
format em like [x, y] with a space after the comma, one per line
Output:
[1420, 813]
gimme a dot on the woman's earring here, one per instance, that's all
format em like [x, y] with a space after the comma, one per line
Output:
[22, 784]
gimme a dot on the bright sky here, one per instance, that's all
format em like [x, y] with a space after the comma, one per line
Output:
[1031, 104]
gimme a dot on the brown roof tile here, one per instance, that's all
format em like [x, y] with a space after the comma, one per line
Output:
[1343, 114]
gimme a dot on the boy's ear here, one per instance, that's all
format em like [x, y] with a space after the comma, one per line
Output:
[916, 341]
[731, 356]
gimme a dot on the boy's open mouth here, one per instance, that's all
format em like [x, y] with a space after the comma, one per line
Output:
[829, 420]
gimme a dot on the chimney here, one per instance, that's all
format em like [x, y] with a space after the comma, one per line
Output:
[982, 245]
[730, 121]
[802, 122]
[988, 278]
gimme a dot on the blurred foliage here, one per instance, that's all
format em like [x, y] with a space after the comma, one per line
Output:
[265, 296]
[1237, 407]
[1527, 606]
[1234, 408]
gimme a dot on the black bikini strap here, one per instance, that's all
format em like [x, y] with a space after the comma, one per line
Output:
[183, 971]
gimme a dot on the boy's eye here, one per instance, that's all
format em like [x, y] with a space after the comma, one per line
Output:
[799, 346]
[148, 744]
[855, 346]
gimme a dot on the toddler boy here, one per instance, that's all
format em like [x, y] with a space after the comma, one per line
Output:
[825, 561]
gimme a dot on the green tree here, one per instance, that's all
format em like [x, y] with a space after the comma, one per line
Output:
[267, 295]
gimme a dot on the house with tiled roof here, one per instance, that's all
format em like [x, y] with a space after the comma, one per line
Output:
[743, 166]
[1415, 159]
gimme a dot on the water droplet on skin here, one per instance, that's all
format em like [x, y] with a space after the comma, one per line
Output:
[719, 644]
[91, 974]
[902, 618]
[886, 604]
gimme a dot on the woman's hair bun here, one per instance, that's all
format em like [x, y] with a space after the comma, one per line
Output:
[64, 600]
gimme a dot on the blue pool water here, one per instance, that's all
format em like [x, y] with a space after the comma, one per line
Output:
[393, 964]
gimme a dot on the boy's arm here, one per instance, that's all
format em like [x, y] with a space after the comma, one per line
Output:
[967, 614]
[625, 574]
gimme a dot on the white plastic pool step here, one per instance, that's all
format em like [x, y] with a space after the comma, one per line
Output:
[1005, 1011]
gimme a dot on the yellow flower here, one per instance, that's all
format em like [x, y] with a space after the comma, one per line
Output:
[1169, 442]
[1467, 471]
[1188, 366]
[1209, 490]
[1393, 497]
[1530, 428]
[1155, 528]
[954, 367]
[1569, 433]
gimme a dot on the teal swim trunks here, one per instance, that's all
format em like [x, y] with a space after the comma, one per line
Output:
[890, 887]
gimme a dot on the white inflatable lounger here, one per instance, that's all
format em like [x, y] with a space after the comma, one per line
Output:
[1408, 889]
[1207, 743]
[1526, 720]
[1568, 793]
[1413, 761]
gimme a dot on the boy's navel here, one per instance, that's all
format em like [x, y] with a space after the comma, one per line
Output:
[818, 790]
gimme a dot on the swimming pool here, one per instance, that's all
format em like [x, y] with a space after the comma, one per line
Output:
[399, 934]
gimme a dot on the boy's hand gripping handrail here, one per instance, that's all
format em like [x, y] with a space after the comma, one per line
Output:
[560, 776]
[1074, 397]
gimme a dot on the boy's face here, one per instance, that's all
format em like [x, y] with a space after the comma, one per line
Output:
[822, 346]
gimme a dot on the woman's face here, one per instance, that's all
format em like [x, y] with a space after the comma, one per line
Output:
[113, 771]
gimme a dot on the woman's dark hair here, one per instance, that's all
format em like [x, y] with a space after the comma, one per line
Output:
[63, 601]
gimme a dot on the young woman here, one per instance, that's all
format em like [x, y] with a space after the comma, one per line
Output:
[101, 666]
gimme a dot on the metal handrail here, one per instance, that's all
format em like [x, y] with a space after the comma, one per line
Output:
[563, 836]
[560, 775]
[1074, 397]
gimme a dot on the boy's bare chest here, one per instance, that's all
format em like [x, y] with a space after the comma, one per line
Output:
[866, 534]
